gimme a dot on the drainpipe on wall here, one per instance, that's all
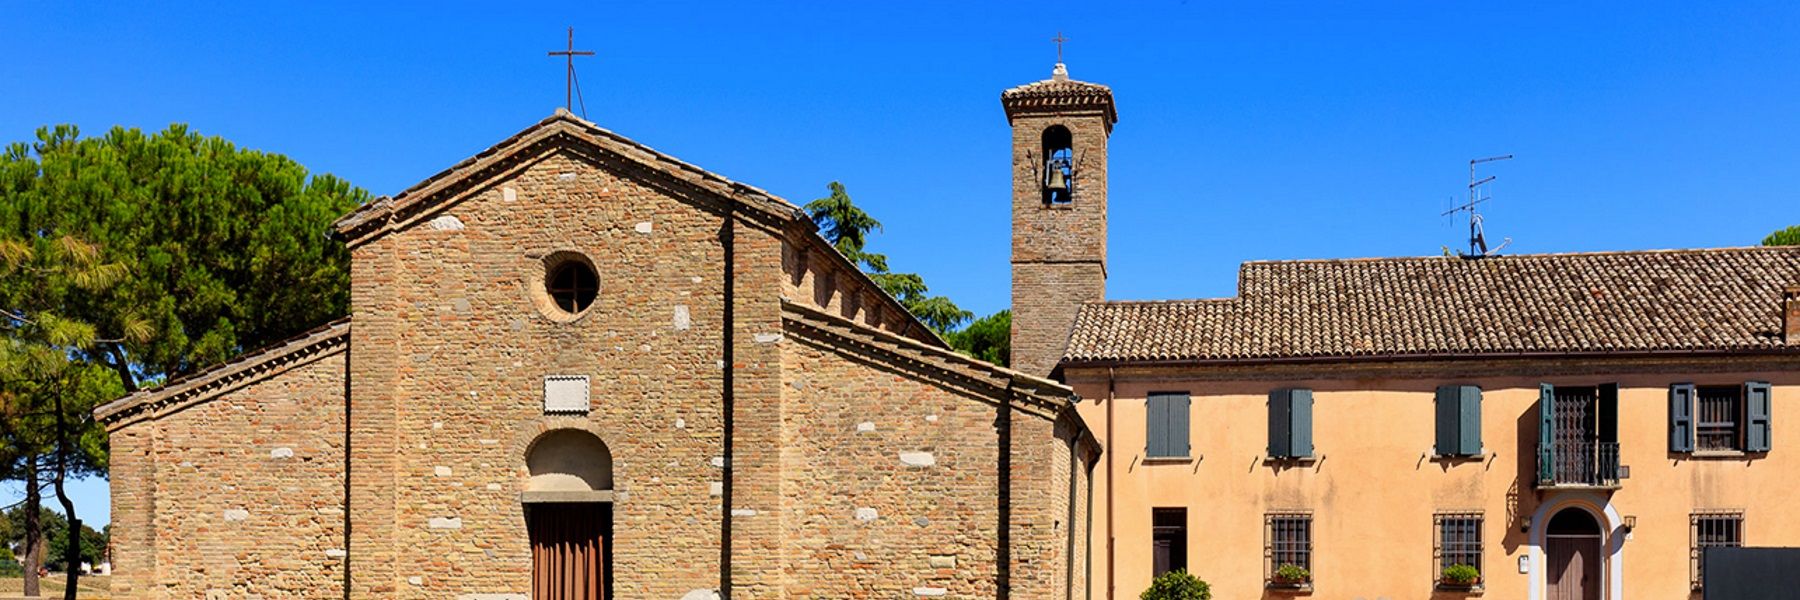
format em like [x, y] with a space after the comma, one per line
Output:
[1110, 584]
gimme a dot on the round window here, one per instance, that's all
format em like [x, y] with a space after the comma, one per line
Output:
[572, 285]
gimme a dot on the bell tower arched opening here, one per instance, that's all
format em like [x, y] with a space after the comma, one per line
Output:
[1059, 165]
[568, 505]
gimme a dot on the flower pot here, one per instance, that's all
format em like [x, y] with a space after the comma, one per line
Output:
[1451, 583]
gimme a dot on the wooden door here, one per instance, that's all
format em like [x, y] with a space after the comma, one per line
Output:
[1574, 569]
[569, 554]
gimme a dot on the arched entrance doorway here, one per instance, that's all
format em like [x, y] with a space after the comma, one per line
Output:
[568, 513]
[1573, 552]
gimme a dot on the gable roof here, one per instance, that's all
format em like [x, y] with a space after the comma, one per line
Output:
[300, 349]
[388, 213]
[1708, 300]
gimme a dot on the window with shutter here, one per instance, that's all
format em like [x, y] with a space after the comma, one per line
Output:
[1757, 401]
[1458, 420]
[1280, 415]
[1301, 438]
[1546, 433]
[1290, 423]
[1681, 417]
[1448, 402]
[1469, 420]
[1156, 423]
[1166, 424]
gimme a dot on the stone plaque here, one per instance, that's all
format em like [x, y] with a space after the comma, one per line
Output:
[566, 395]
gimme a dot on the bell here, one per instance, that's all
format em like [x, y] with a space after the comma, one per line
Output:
[1057, 182]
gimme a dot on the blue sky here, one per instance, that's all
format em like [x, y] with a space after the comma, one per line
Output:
[1247, 131]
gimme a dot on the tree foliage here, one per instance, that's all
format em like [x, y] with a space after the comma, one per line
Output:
[988, 338]
[224, 248]
[1177, 585]
[1785, 237]
[847, 227]
[56, 526]
[130, 259]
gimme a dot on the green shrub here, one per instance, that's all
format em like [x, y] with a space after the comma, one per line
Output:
[1292, 572]
[1461, 574]
[9, 564]
[1177, 585]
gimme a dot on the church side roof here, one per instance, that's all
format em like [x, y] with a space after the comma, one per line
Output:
[1705, 300]
[1044, 396]
[387, 212]
[320, 341]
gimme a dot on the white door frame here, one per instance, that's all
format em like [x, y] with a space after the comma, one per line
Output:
[1612, 542]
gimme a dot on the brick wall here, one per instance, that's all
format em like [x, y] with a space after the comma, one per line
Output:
[465, 329]
[894, 482]
[1045, 299]
[1058, 251]
[241, 494]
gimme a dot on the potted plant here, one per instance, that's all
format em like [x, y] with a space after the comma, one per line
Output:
[1177, 585]
[1292, 575]
[1461, 575]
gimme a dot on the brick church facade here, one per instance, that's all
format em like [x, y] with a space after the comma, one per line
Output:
[579, 368]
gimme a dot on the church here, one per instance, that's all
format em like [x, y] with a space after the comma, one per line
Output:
[578, 368]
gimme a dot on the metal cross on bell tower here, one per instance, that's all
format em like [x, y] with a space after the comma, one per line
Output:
[1059, 39]
[574, 85]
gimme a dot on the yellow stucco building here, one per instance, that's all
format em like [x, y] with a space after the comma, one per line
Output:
[1568, 425]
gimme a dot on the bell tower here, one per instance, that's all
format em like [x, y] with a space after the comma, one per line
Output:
[1060, 127]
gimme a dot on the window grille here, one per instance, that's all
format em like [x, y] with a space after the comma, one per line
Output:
[1289, 541]
[1458, 540]
[1718, 418]
[1722, 529]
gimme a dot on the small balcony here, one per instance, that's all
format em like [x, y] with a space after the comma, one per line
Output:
[1579, 465]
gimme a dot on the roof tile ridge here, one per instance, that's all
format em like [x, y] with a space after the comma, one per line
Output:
[616, 137]
[1217, 300]
[1646, 251]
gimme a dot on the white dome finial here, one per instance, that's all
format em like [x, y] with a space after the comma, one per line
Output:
[1060, 73]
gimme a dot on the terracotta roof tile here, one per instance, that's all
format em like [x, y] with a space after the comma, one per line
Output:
[1666, 300]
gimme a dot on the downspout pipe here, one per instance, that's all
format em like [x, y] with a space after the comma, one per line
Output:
[1110, 537]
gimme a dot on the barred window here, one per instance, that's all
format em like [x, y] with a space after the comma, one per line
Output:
[1289, 541]
[1719, 417]
[1458, 540]
[1713, 529]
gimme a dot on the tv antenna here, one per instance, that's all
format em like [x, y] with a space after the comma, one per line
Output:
[1477, 238]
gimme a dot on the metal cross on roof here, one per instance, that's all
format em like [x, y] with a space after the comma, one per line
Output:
[570, 54]
[1059, 39]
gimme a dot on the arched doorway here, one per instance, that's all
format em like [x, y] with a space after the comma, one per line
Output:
[1572, 549]
[568, 513]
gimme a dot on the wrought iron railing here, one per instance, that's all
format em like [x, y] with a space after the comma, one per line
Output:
[1578, 464]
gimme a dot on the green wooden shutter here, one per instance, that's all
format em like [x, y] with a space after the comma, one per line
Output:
[1280, 410]
[1179, 444]
[1546, 432]
[1156, 423]
[1448, 403]
[1759, 409]
[1681, 417]
[1469, 420]
[1302, 440]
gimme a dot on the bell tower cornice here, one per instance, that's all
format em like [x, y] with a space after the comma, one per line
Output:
[1060, 95]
